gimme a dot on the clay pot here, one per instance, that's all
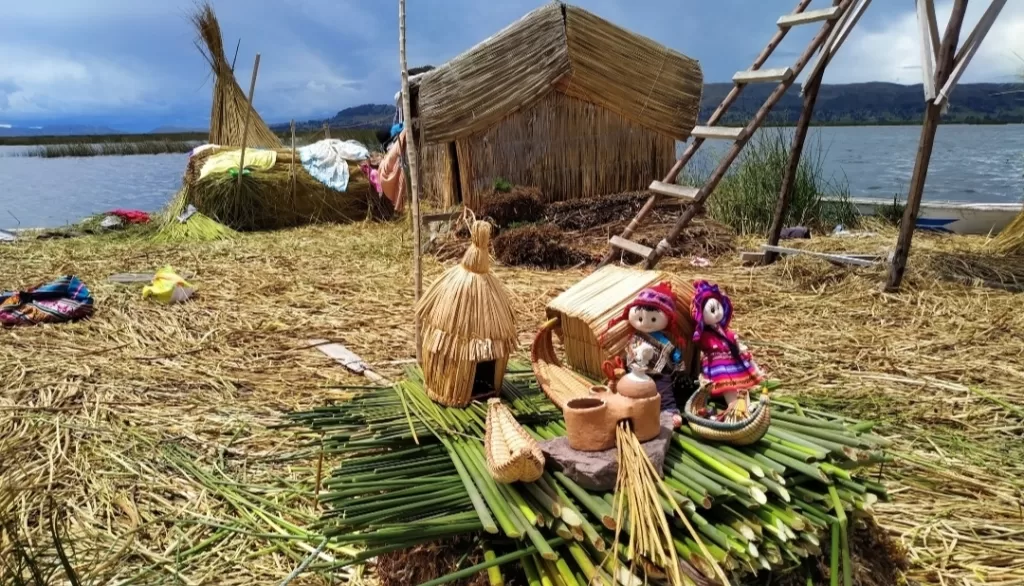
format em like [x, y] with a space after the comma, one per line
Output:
[636, 385]
[584, 424]
[590, 421]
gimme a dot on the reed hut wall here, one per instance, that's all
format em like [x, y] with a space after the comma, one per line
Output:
[568, 147]
[439, 183]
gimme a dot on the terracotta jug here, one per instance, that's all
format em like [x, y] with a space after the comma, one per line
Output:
[636, 384]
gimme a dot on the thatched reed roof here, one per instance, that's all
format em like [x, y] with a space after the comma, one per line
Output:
[559, 47]
[227, 116]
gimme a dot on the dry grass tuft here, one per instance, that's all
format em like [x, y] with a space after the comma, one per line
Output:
[152, 423]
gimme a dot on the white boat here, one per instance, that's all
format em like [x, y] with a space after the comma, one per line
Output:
[955, 217]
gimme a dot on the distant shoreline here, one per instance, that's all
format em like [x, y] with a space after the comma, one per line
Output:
[366, 134]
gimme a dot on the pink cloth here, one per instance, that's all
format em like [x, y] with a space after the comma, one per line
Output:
[392, 179]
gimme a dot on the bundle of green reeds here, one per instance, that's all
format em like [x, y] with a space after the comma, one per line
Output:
[184, 223]
[415, 472]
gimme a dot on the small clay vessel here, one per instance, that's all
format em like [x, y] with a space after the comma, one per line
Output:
[636, 384]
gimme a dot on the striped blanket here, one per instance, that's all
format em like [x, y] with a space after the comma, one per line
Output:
[63, 300]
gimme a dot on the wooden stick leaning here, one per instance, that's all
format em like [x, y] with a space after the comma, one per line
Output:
[293, 160]
[413, 169]
[245, 126]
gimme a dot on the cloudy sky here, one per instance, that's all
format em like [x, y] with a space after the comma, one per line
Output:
[131, 64]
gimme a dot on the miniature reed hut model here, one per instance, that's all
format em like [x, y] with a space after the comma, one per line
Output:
[469, 330]
[585, 309]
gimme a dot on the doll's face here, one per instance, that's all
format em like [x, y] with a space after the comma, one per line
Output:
[647, 319]
[713, 312]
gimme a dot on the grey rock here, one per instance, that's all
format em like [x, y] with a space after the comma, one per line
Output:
[598, 470]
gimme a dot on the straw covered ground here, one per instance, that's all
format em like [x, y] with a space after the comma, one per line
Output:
[142, 437]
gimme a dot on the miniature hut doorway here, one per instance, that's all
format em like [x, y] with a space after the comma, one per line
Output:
[484, 378]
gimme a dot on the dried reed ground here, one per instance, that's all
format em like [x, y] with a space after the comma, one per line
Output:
[92, 414]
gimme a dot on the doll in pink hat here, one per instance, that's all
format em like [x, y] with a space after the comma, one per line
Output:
[725, 362]
[654, 343]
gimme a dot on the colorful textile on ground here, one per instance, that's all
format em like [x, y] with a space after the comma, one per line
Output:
[225, 161]
[63, 300]
[392, 179]
[327, 160]
[131, 216]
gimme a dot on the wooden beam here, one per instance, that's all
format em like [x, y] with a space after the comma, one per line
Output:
[630, 246]
[924, 26]
[839, 35]
[969, 49]
[789, 176]
[718, 132]
[763, 75]
[808, 17]
[932, 114]
[679, 192]
[933, 28]
[856, 261]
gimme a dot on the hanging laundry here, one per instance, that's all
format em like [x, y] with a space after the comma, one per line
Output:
[327, 160]
[224, 162]
[63, 300]
[392, 179]
[373, 175]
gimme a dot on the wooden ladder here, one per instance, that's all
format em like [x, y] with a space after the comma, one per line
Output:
[783, 77]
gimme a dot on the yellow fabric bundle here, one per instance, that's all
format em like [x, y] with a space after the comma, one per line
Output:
[222, 162]
[168, 287]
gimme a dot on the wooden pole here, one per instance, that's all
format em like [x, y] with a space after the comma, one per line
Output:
[932, 114]
[413, 169]
[795, 154]
[293, 177]
[245, 125]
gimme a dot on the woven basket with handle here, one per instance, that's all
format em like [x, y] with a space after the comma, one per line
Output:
[744, 432]
[512, 454]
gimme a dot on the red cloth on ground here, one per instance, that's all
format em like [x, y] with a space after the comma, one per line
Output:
[131, 216]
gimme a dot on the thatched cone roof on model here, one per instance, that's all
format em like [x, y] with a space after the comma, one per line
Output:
[467, 323]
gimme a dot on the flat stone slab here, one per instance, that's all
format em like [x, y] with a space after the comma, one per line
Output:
[598, 470]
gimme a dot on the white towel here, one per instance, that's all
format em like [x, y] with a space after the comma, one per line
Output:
[327, 160]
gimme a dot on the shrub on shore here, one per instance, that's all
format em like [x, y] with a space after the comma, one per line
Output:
[746, 197]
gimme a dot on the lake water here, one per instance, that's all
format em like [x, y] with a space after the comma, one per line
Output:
[969, 163]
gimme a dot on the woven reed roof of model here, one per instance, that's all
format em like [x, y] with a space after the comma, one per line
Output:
[559, 47]
[227, 114]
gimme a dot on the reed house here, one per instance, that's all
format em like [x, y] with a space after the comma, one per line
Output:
[562, 100]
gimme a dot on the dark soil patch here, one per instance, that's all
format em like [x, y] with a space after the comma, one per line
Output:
[521, 205]
[878, 560]
[431, 561]
[537, 245]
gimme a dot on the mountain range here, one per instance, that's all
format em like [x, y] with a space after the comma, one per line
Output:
[838, 104]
